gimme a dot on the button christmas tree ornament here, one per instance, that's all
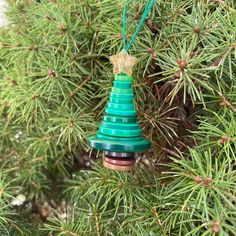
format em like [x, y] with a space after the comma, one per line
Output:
[119, 134]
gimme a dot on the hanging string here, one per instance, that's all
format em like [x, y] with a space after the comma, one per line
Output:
[144, 16]
[124, 26]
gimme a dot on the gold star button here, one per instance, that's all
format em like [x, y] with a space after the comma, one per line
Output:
[123, 63]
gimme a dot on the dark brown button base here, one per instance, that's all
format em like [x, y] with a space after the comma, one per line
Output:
[119, 164]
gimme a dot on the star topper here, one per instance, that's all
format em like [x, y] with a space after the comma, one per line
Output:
[123, 63]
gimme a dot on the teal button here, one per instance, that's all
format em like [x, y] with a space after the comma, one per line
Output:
[121, 106]
[122, 84]
[119, 132]
[140, 145]
[123, 77]
[122, 91]
[119, 112]
[115, 125]
[120, 100]
[120, 119]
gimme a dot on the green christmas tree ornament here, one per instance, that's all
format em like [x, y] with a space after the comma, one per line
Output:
[119, 134]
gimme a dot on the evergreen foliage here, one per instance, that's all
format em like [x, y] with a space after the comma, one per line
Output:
[54, 81]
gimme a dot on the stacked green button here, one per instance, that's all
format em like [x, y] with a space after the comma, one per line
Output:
[119, 130]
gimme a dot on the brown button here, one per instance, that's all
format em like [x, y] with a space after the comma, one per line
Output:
[120, 162]
[116, 167]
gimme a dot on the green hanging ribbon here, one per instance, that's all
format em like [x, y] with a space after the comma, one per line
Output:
[144, 16]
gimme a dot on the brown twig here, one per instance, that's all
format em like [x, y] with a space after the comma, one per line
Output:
[79, 87]
[154, 211]
[97, 224]
[170, 151]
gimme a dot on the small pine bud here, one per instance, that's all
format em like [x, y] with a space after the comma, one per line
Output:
[178, 74]
[150, 23]
[198, 179]
[234, 44]
[118, 36]
[224, 139]
[207, 181]
[182, 64]
[154, 55]
[88, 24]
[13, 83]
[7, 103]
[34, 97]
[51, 73]
[150, 50]
[216, 62]
[33, 48]
[136, 17]
[193, 54]
[71, 124]
[216, 228]
[137, 8]
[197, 29]
[46, 138]
[224, 102]
[45, 211]
[63, 28]
[74, 57]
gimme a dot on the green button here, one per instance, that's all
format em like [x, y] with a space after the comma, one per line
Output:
[120, 119]
[123, 77]
[127, 126]
[120, 100]
[122, 91]
[119, 132]
[118, 95]
[122, 84]
[140, 145]
[111, 111]
[124, 139]
[121, 106]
